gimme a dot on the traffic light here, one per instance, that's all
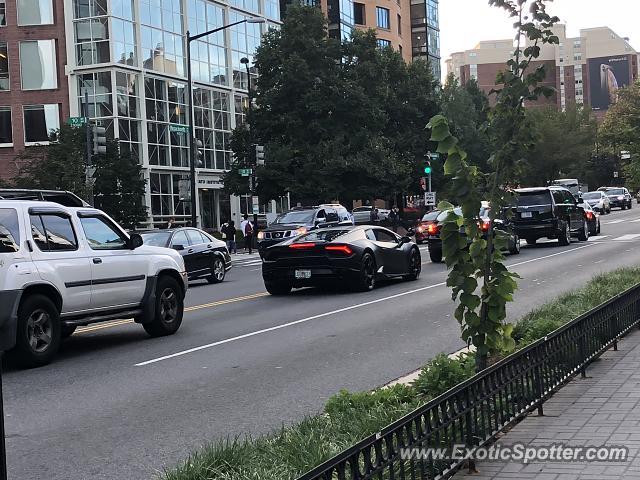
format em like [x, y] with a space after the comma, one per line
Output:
[199, 153]
[427, 167]
[99, 139]
[259, 155]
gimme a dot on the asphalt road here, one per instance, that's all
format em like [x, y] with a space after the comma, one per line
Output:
[119, 405]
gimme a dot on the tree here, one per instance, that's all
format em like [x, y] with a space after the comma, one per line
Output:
[57, 166]
[620, 131]
[564, 143]
[471, 254]
[119, 186]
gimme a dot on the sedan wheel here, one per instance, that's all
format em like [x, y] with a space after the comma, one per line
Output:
[217, 271]
[584, 234]
[415, 266]
[367, 274]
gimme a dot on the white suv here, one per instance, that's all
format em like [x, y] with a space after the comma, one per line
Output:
[63, 267]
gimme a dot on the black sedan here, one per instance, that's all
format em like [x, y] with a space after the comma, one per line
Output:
[357, 256]
[592, 217]
[204, 256]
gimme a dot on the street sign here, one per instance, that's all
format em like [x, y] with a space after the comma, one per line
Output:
[255, 202]
[245, 172]
[178, 128]
[77, 121]
[184, 190]
[430, 198]
[615, 174]
[433, 156]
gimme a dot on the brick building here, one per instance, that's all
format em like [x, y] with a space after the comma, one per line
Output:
[34, 94]
[583, 70]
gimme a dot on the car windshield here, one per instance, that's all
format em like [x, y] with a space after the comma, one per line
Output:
[156, 239]
[431, 216]
[527, 199]
[322, 235]
[300, 216]
[591, 195]
[615, 191]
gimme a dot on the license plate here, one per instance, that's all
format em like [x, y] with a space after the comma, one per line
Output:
[526, 214]
[302, 274]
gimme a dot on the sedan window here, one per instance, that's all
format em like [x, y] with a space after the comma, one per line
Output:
[156, 239]
[195, 238]
[180, 238]
[384, 236]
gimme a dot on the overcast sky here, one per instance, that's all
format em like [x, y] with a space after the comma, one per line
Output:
[463, 23]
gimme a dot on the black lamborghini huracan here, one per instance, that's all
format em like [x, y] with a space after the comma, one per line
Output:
[354, 256]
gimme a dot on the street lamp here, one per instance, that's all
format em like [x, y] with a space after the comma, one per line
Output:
[245, 61]
[190, 134]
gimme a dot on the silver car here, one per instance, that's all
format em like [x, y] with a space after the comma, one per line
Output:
[599, 201]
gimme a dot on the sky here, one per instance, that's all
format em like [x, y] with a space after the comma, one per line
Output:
[463, 23]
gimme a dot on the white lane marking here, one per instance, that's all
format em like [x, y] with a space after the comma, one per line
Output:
[599, 237]
[635, 221]
[614, 222]
[333, 312]
[630, 236]
[289, 324]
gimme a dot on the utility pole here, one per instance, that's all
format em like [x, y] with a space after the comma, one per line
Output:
[87, 167]
[254, 147]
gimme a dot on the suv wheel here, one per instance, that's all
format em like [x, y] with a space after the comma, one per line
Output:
[169, 308]
[38, 338]
[515, 248]
[217, 271]
[583, 236]
[435, 254]
[564, 236]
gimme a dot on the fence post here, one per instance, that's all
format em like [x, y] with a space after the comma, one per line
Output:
[470, 423]
[582, 348]
[537, 380]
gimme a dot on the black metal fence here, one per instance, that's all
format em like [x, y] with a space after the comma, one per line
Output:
[473, 412]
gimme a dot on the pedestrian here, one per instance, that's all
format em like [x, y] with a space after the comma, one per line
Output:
[394, 218]
[373, 216]
[170, 223]
[247, 230]
[229, 234]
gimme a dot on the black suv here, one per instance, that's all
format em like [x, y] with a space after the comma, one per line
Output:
[549, 212]
[297, 221]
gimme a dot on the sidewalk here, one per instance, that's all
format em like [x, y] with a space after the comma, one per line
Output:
[602, 409]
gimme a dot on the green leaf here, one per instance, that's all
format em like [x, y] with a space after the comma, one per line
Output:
[440, 132]
[447, 144]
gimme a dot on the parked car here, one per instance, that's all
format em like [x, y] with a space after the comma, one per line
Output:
[297, 221]
[422, 226]
[76, 267]
[204, 256]
[501, 225]
[362, 215]
[343, 214]
[619, 197]
[356, 256]
[593, 219]
[549, 212]
[599, 201]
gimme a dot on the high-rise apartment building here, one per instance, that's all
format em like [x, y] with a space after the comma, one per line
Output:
[586, 70]
[34, 95]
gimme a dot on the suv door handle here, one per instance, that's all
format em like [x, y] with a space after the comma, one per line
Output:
[190, 250]
[97, 261]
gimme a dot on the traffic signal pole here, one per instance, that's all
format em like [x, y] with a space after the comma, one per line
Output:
[87, 167]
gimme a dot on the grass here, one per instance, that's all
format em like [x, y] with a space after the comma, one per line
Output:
[351, 417]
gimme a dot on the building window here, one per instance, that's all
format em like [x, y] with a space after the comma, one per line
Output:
[399, 25]
[3, 13]
[249, 5]
[97, 86]
[432, 13]
[165, 197]
[35, 12]
[38, 68]
[577, 44]
[4, 67]
[39, 121]
[272, 9]
[124, 41]
[577, 57]
[400, 49]
[92, 41]
[6, 132]
[162, 37]
[241, 103]
[208, 58]
[473, 71]
[382, 17]
[473, 54]
[383, 43]
[359, 15]
[245, 38]
[212, 121]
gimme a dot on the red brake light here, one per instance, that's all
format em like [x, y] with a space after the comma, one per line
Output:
[339, 248]
[302, 246]
[432, 229]
[589, 215]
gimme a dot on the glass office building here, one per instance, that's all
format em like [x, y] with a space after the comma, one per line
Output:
[425, 32]
[128, 59]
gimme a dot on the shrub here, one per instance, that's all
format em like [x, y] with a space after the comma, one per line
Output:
[443, 373]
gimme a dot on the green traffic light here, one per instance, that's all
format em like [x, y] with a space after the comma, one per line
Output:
[427, 170]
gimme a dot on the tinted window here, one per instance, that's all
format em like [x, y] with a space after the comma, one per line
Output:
[615, 191]
[180, 238]
[156, 239]
[195, 238]
[302, 216]
[384, 236]
[527, 199]
[60, 234]
[568, 198]
[321, 214]
[370, 235]
[101, 235]
[322, 235]
[9, 231]
[592, 195]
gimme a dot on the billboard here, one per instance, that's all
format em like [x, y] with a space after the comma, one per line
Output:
[606, 76]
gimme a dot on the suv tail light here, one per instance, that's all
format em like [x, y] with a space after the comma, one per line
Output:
[589, 215]
[432, 229]
[339, 248]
